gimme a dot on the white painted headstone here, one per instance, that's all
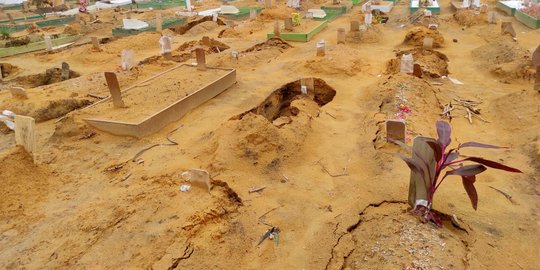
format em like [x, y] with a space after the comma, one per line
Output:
[48, 43]
[127, 59]
[476, 3]
[25, 133]
[407, 63]
[214, 16]
[165, 43]
[188, 5]
[368, 18]
[465, 3]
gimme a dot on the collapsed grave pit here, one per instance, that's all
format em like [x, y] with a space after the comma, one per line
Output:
[50, 76]
[278, 104]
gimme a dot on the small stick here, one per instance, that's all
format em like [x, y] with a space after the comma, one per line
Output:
[468, 116]
[263, 216]
[481, 118]
[252, 190]
[508, 196]
[97, 96]
[343, 173]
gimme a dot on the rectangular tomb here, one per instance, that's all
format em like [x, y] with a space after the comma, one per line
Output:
[527, 19]
[160, 101]
[302, 34]
[434, 8]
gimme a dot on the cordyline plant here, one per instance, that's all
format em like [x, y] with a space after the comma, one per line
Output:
[432, 158]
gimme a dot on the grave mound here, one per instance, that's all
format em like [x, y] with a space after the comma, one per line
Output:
[337, 60]
[433, 63]
[415, 37]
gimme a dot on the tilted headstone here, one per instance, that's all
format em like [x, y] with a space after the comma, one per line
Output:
[288, 24]
[341, 36]
[507, 28]
[355, 26]
[268, 3]
[188, 5]
[126, 59]
[65, 71]
[252, 13]
[214, 16]
[48, 43]
[25, 133]
[159, 23]
[201, 59]
[395, 130]
[368, 19]
[484, 8]
[114, 88]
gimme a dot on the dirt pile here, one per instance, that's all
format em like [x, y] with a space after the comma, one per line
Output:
[433, 63]
[268, 49]
[505, 59]
[271, 133]
[198, 26]
[410, 245]
[338, 60]
[276, 13]
[24, 185]
[367, 35]
[468, 17]
[8, 69]
[186, 51]
[415, 37]
[406, 97]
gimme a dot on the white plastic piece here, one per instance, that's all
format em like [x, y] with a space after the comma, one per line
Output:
[165, 43]
[9, 114]
[303, 89]
[48, 43]
[422, 203]
[215, 17]
[368, 18]
[185, 188]
[455, 81]
[127, 59]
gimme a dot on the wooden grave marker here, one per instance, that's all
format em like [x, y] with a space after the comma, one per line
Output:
[114, 88]
[25, 133]
[341, 36]
[201, 59]
[159, 23]
[395, 130]
[288, 24]
[65, 71]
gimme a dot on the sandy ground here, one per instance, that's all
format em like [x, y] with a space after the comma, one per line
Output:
[334, 188]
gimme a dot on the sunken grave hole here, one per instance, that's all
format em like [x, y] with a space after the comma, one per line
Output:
[278, 104]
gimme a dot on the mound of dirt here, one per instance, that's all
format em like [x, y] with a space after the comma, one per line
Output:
[276, 13]
[468, 17]
[369, 35]
[415, 37]
[505, 59]
[229, 33]
[16, 42]
[409, 98]
[24, 185]
[198, 26]
[271, 133]
[50, 76]
[433, 63]
[186, 51]
[389, 235]
[269, 49]
[338, 60]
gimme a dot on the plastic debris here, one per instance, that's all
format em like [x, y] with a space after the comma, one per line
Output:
[8, 118]
[185, 188]
[272, 232]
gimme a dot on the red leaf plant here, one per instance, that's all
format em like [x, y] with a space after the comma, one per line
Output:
[446, 160]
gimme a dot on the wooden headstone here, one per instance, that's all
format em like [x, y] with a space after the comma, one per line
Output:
[128, 14]
[428, 43]
[536, 63]
[201, 59]
[25, 133]
[65, 71]
[395, 130]
[268, 3]
[276, 29]
[206, 41]
[10, 17]
[114, 88]
[18, 92]
[341, 36]
[95, 43]
[159, 23]
[507, 28]
[288, 24]
[484, 8]
[355, 26]
[417, 70]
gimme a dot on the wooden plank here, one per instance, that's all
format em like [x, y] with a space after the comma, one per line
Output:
[417, 185]
[114, 88]
[25, 133]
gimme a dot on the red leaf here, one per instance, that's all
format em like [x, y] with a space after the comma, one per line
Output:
[437, 150]
[467, 170]
[477, 144]
[493, 164]
[443, 130]
[468, 184]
